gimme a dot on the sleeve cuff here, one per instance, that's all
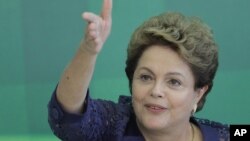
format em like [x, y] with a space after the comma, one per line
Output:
[57, 114]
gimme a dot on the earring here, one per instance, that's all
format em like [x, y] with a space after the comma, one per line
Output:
[194, 109]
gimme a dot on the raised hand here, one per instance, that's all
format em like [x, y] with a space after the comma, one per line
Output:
[98, 29]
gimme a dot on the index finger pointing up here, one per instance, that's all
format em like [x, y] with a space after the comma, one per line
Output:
[106, 9]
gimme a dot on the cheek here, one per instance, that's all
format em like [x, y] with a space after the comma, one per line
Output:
[137, 94]
[137, 99]
[182, 102]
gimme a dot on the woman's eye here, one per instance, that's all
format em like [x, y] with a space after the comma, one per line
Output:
[174, 82]
[145, 77]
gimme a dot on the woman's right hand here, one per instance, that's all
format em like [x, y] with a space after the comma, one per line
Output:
[98, 28]
[73, 85]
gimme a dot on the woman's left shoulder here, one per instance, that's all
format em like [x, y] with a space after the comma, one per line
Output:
[211, 128]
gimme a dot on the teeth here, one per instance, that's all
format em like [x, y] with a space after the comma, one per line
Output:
[156, 108]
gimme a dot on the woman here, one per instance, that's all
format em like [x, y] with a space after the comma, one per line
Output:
[171, 64]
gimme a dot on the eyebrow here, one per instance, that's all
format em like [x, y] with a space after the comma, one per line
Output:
[168, 74]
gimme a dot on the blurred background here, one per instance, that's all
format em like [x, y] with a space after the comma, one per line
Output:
[39, 37]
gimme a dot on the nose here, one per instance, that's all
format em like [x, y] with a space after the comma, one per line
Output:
[157, 90]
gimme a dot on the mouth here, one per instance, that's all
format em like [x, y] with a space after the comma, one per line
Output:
[155, 108]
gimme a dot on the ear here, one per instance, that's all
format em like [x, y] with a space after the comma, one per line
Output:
[200, 92]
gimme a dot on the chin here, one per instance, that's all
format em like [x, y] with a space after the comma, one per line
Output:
[154, 124]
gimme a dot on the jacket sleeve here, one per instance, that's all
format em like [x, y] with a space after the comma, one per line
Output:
[98, 121]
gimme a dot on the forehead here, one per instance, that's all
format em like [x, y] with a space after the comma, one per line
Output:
[163, 58]
[161, 54]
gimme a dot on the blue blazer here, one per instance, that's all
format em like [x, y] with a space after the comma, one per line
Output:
[104, 120]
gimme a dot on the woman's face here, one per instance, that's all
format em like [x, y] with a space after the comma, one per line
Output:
[163, 89]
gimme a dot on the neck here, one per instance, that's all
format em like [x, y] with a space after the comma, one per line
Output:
[172, 134]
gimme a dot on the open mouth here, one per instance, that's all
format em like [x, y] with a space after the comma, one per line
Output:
[155, 108]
